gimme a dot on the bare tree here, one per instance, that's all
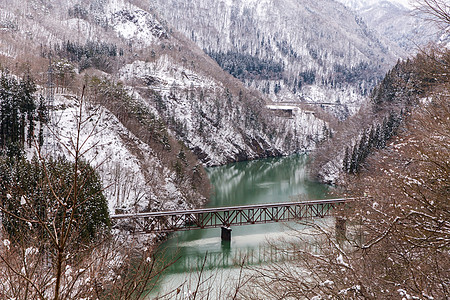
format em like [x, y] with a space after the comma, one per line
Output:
[399, 232]
[398, 237]
[47, 252]
[436, 11]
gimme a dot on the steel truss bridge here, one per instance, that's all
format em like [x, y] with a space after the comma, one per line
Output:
[225, 217]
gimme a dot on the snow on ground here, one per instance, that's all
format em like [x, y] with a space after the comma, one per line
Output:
[331, 173]
[340, 98]
[341, 102]
[137, 26]
[134, 24]
[359, 4]
[172, 80]
[165, 74]
[208, 122]
[131, 183]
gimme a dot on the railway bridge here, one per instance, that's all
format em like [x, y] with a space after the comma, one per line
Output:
[225, 217]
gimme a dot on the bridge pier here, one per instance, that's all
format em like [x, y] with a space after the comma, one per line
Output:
[226, 233]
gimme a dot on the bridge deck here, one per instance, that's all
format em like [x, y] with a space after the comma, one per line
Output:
[169, 221]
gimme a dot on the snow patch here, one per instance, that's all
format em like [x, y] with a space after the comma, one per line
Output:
[131, 183]
[165, 74]
[340, 260]
[137, 25]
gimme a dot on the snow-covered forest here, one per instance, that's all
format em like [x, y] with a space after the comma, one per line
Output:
[117, 106]
[396, 244]
[308, 51]
[167, 85]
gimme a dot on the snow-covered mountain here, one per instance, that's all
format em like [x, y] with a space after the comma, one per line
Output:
[361, 4]
[302, 51]
[166, 107]
[134, 177]
[398, 21]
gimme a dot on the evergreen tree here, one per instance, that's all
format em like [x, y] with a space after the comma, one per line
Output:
[27, 108]
[345, 161]
[354, 161]
[371, 140]
[377, 137]
[363, 150]
[17, 113]
[33, 192]
[43, 118]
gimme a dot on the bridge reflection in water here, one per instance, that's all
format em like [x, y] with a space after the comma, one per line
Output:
[228, 257]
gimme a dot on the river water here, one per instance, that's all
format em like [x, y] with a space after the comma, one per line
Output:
[202, 254]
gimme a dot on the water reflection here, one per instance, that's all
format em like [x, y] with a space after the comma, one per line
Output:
[237, 256]
[255, 182]
[263, 181]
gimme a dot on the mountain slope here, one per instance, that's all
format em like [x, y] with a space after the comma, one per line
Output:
[398, 22]
[314, 51]
[167, 98]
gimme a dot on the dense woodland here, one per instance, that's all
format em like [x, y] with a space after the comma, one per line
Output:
[282, 59]
[99, 55]
[19, 113]
[244, 66]
[56, 231]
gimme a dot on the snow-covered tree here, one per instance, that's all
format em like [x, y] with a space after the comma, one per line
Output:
[17, 113]
[56, 241]
[398, 232]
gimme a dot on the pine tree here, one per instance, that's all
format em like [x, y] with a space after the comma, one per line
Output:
[363, 151]
[345, 161]
[378, 137]
[17, 113]
[371, 140]
[27, 89]
[27, 195]
[354, 160]
[43, 119]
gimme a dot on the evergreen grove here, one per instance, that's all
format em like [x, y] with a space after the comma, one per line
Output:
[34, 193]
[18, 114]
[374, 138]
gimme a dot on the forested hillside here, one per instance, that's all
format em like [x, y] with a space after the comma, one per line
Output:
[302, 51]
[401, 21]
[161, 100]
[106, 109]
[402, 90]
[398, 227]
[117, 106]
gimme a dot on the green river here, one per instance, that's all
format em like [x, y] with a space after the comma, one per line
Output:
[252, 182]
